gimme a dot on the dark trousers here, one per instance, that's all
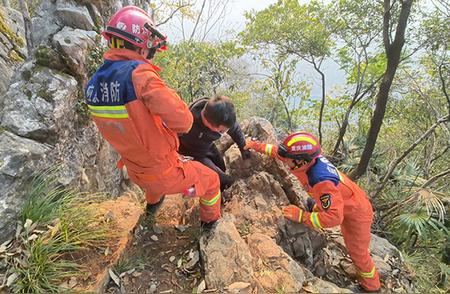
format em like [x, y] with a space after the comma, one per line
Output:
[214, 160]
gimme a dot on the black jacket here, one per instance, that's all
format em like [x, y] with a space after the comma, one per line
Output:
[200, 138]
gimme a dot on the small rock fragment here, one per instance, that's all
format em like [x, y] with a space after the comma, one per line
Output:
[181, 228]
[152, 288]
[157, 229]
[73, 282]
[239, 287]
[201, 287]
[195, 257]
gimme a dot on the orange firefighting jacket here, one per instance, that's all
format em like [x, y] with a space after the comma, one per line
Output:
[337, 197]
[137, 113]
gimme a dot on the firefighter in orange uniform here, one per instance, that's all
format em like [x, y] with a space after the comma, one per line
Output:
[140, 116]
[338, 200]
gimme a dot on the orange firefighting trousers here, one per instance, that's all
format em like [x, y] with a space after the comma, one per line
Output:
[179, 178]
[339, 201]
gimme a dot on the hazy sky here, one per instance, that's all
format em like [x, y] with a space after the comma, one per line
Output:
[234, 21]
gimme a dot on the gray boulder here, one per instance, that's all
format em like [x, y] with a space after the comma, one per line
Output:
[18, 160]
[45, 24]
[382, 247]
[279, 272]
[73, 45]
[12, 45]
[226, 256]
[36, 108]
[74, 15]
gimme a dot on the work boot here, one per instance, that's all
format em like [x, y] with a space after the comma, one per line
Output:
[359, 289]
[152, 209]
[207, 227]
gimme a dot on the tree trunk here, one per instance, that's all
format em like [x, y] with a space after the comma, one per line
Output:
[322, 105]
[393, 52]
[27, 21]
[343, 128]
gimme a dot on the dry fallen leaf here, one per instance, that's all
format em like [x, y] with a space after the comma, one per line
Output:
[11, 279]
[114, 277]
[308, 289]
[201, 287]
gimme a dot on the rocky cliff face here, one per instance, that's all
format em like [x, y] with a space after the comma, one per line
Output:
[254, 246]
[12, 45]
[43, 121]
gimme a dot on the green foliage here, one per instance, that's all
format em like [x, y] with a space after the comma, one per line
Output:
[373, 69]
[94, 58]
[63, 225]
[279, 97]
[199, 69]
[45, 269]
[132, 260]
[33, 5]
[290, 28]
[432, 275]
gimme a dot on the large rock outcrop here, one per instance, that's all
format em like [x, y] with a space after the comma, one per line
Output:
[264, 252]
[12, 45]
[43, 119]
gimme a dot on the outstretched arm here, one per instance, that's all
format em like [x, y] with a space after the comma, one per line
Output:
[268, 149]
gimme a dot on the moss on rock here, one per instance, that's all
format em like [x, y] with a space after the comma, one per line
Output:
[14, 56]
[9, 34]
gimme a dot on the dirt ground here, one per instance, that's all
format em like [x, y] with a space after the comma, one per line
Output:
[163, 254]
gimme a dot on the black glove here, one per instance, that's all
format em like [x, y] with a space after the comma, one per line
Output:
[245, 154]
[309, 205]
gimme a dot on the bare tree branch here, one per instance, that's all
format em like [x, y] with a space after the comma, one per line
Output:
[406, 153]
[443, 86]
[172, 14]
[219, 17]
[198, 20]
[440, 154]
[435, 178]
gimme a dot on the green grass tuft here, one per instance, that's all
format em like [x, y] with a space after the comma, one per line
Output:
[61, 223]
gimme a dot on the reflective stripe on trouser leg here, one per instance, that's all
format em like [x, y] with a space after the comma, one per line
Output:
[368, 275]
[210, 207]
[357, 240]
[210, 202]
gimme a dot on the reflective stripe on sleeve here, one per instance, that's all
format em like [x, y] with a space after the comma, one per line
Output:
[300, 215]
[269, 148]
[315, 220]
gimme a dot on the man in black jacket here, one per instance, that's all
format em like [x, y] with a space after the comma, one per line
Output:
[212, 118]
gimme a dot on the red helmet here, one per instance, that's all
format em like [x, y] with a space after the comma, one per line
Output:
[135, 26]
[300, 146]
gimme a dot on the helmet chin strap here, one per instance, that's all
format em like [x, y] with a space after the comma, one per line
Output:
[298, 163]
[153, 49]
[154, 33]
[151, 53]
